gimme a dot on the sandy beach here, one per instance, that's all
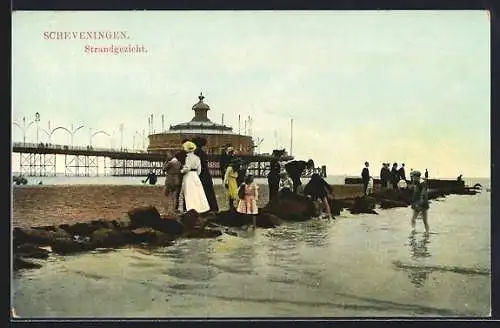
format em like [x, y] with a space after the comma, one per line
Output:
[58, 204]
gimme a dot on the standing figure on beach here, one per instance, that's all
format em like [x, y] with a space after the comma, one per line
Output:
[383, 177]
[225, 158]
[318, 189]
[173, 181]
[248, 205]
[365, 177]
[273, 177]
[295, 169]
[192, 189]
[402, 174]
[426, 174]
[394, 176]
[419, 202]
[242, 172]
[230, 183]
[205, 177]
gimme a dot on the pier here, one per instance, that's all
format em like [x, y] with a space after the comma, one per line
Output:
[40, 160]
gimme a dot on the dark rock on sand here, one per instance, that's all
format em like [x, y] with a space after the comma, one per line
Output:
[105, 237]
[388, 203]
[19, 263]
[38, 237]
[69, 246]
[291, 207]
[150, 236]
[31, 251]
[202, 233]
[150, 217]
[235, 219]
[335, 206]
[191, 220]
[268, 220]
[364, 205]
[144, 216]
[81, 228]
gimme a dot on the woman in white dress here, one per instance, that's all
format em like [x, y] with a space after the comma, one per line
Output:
[192, 189]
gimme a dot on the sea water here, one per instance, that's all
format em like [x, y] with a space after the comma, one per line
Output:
[353, 266]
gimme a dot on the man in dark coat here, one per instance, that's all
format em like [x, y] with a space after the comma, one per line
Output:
[273, 177]
[365, 177]
[394, 176]
[383, 176]
[402, 174]
[205, 177]
[225, 158]
[295, 169]
[242, 171]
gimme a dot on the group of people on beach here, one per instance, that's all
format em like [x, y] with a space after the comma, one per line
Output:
[395, 178]
[284, 180]
[189, 184]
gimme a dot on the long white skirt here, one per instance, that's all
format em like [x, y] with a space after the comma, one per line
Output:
[194, 195]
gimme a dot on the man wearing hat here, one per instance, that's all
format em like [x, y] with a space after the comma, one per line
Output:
[226, 156]
[419, 202]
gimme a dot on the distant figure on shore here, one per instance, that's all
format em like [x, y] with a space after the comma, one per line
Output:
[230, 183]
[205, 177]
[402, 174]
[192, 189]
[419, 202]
[365, 177]
[248, 205]
[151, 177]
[226, 157]
[394, 176]
[318, 189]
[273, 177]
[384, 176]
[173, 180]
[426, 174]
[295, 169]
[459, 178]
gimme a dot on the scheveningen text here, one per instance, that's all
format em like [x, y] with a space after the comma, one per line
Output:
[86, 35]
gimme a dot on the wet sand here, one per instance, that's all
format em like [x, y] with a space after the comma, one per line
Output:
[58, 204]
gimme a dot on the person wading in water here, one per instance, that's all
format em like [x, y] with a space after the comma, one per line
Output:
[419, 202]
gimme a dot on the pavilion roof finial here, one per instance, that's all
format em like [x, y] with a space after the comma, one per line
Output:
[201, 96]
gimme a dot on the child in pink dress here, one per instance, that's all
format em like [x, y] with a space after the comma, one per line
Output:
[248, 205]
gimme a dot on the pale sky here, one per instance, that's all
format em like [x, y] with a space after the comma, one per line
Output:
[388, 86]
